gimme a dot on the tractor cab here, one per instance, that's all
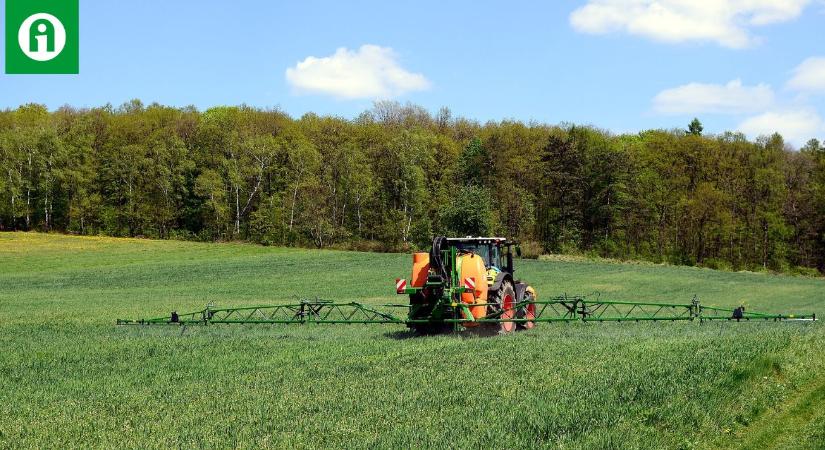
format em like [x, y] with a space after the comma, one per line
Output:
[495, 251]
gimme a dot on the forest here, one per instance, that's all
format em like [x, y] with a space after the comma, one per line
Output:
[397, 174]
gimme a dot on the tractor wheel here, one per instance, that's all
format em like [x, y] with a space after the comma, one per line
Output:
[527, 312]
[504, 299]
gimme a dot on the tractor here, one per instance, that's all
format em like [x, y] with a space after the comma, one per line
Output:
[467, 283]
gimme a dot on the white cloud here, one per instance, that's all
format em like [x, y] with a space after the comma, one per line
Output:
[809, 76]
[726, 22]
[369, 72]
[796, 126]
[731, 98]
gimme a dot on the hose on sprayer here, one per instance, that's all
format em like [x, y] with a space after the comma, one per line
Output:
[436, 260]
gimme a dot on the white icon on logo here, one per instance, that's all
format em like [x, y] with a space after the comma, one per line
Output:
[41, 37]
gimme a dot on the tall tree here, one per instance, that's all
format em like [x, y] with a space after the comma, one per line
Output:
[695, 127]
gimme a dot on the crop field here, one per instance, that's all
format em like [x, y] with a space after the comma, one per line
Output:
[69, 377]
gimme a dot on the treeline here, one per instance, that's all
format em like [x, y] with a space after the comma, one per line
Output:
[396, 175]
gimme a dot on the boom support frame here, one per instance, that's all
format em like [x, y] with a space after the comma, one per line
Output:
[558, 309]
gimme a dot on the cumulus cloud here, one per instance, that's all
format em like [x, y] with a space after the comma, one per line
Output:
[369, 72]
[809, 76]
[730, 98]
[726, 22]
[796, 126]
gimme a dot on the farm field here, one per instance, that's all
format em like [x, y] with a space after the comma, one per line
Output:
[70, 378]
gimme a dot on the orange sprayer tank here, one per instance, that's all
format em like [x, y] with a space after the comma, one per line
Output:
[421, 268]
[472, 265]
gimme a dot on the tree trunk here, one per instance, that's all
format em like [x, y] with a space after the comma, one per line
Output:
[131, 212]
[292, 210]
[358, 210]
[13, 214]
[214, 207]
[29, 194]
[661, 238]
[28, 206]
[237, 210]
[764, 245]
[46, 211]
[700, 247]
[252, 194]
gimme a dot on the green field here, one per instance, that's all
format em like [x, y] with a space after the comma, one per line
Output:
[70, 378]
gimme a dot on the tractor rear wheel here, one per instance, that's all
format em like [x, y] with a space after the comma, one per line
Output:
[503, 302]
[528, 312]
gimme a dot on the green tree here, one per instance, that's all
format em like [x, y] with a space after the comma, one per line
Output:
[210, 187]
[469, 212]
[695, 127]
[474, 164]
[561, 194]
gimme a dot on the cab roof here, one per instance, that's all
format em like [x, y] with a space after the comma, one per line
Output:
[481, 240]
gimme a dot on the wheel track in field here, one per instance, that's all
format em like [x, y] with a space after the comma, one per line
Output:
[797, 423]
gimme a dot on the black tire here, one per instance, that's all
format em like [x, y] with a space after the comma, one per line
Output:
[527, 312]
[502, 302]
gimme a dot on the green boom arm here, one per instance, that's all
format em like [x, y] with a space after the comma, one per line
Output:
[559, 309]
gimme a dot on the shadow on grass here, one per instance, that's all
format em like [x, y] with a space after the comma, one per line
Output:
[403, 335]
[467, 333]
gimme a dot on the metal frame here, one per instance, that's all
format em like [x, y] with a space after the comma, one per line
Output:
[559, 309]
[307, 311]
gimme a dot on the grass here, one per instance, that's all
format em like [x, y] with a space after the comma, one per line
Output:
[70, 378]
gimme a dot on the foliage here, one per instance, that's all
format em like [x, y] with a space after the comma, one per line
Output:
[695, 127]
[394, 176]
[469, 212]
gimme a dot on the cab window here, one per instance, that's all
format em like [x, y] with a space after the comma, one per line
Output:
[489, 253]
[495, 257]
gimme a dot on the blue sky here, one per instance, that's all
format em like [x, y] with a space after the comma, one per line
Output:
[623, 65]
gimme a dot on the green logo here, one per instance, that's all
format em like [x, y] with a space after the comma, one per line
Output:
[42, 36]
